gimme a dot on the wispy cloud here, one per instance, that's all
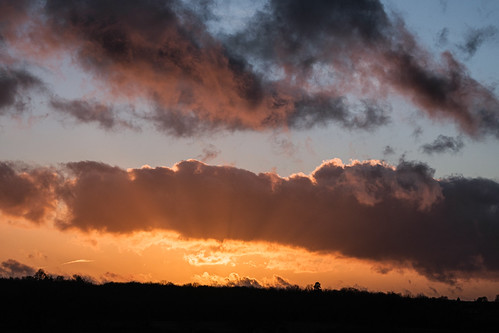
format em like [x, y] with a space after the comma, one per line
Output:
[388, 150]
[78, 261]
[443, 144]
[475, 37]
[210, 152]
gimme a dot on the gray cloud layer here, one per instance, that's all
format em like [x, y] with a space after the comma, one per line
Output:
[291, 66]
[445, 229]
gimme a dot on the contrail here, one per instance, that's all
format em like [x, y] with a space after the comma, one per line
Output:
[77, 261]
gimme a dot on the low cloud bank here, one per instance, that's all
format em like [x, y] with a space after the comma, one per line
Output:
[445, 229]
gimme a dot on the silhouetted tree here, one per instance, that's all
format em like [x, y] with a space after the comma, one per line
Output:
[317, 286]
[41, 275]
[482, 299]
[79, 279]
[497, 298]
[294, 287]
[129, 306]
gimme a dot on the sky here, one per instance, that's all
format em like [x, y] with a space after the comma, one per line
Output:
[264, 143]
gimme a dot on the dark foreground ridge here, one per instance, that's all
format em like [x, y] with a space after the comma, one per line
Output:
[56, 304]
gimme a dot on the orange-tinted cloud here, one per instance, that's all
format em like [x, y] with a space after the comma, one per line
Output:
[445, 229]
[235, 280]
[27, 194]
[290, 67]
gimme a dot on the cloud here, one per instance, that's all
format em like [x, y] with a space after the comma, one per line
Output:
[322, 109]
[418, 131]
[27, 194]
[443, 5]
[363, 47]
[388, 150]
[113, 277]
[88, 112]
[14, 88]
[210, 152]
[156, 51]
[235, 280]
[382, 269]
[442, 37]
[288, 68]
[78, 261]
[15, 269]
[445, 229]
[443, 144]
[475, 37]
[283, 146]
[280, 282]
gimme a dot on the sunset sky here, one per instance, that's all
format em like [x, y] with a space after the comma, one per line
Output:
[263, 143]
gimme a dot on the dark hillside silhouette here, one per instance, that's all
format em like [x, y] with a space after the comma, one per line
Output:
[42, 302]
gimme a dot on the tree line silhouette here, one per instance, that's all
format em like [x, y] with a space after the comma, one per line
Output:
[76, 304]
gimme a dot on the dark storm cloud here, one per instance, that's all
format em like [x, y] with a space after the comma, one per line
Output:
[292, 66]
[475, 37]
[445, 229]
[13, 268]
[443, 144]
[14, 88]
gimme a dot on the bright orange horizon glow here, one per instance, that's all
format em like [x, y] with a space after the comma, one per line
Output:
[162, 256]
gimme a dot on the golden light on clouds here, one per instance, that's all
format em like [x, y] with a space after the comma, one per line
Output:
[161, 256]
[103, 108]
[359, 223]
